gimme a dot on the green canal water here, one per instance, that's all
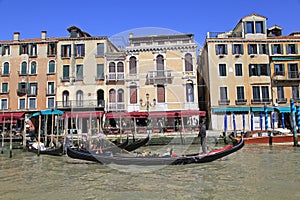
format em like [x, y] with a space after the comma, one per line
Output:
[254, 172]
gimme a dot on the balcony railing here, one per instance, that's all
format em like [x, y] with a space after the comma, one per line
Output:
[118, 76]
[281, 100]
[240, 101]
[258, 101]
[159, 77]
[81, 104]
[293, 74]
[119, 106]
[224, 35]
[224, 102]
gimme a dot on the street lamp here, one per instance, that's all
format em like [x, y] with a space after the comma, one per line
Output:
[147, 104]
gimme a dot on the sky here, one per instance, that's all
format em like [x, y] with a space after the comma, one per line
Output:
[112, 17]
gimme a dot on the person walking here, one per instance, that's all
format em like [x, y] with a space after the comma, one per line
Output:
[202, 135]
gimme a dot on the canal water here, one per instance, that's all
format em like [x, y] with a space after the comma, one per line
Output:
[254, 172]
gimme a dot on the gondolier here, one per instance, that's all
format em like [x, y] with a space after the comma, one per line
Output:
[202, 135]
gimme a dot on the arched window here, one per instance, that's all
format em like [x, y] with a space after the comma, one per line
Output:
[100, 98]
[120, 70]
[188, 61]
[33, 67]
[120, 96]
[112, 71]
[190, 92]
[51, 67]
[133, 94]
[112, 96]
[65, 97]
[23, 68]
[79, 98]
[132, 65]
[5, 70]
[159, 62]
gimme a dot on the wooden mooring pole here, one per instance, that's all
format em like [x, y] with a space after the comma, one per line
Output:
[10, 137]
[39, 134]
[3, 128]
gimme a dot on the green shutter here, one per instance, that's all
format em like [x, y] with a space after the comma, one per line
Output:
[272, 46]
[242, 49]
[226, 49]
[100, 71]
[2, 50]
[281, 49]
[20, 52]
[296, 48]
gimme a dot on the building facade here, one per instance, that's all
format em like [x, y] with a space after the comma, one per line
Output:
[237, 70]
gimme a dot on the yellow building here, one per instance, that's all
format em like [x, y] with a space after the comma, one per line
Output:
[246, 70]
[161, 69]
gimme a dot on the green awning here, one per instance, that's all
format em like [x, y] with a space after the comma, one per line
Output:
[285, 58]
[283, 109]
[261, 109]
[231, 109]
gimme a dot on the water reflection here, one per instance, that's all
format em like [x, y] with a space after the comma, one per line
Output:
[255, 172]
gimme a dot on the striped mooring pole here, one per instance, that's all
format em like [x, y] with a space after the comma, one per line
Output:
[298, 118]
[266, 117]
[293, 111]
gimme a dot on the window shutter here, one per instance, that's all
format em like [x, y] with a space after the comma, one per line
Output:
[83, 50]
[273, 50]
[242, 49]
[245, 27]
[100, 71]
[160, 94]
[225, 50]
[217, 49]
[281, 49]
[3, 50]
[133, 95]
[296, 48]
[20, 50]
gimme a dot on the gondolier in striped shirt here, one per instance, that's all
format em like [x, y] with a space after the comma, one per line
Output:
[202, 135]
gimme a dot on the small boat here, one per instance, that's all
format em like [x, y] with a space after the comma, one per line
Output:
[137, 144]
[173, 159]
[267, 137]
[54, 151]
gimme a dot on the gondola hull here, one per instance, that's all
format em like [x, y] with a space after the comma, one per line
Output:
[137, 144]
[53, 151]
[152, 160]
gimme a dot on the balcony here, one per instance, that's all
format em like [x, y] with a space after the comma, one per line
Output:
[281, 100]
[240, 101]
[22, 73]
[293, 75]
[119, 106]
[159, 77]
[22, 92]
[114, 77]
[224, 102]
[224, 35]
[81, 104]
[261, 101]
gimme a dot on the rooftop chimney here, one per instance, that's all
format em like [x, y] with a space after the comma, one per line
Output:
[16, 36]
[44, 35]
[130, 35]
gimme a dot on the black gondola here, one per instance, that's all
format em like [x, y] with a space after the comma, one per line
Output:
[156, 160]
[54, 151]
[137, 144]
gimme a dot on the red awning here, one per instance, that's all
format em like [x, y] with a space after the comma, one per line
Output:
[175, 114]
[7, 116]
[188, 113]
[84, 114]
